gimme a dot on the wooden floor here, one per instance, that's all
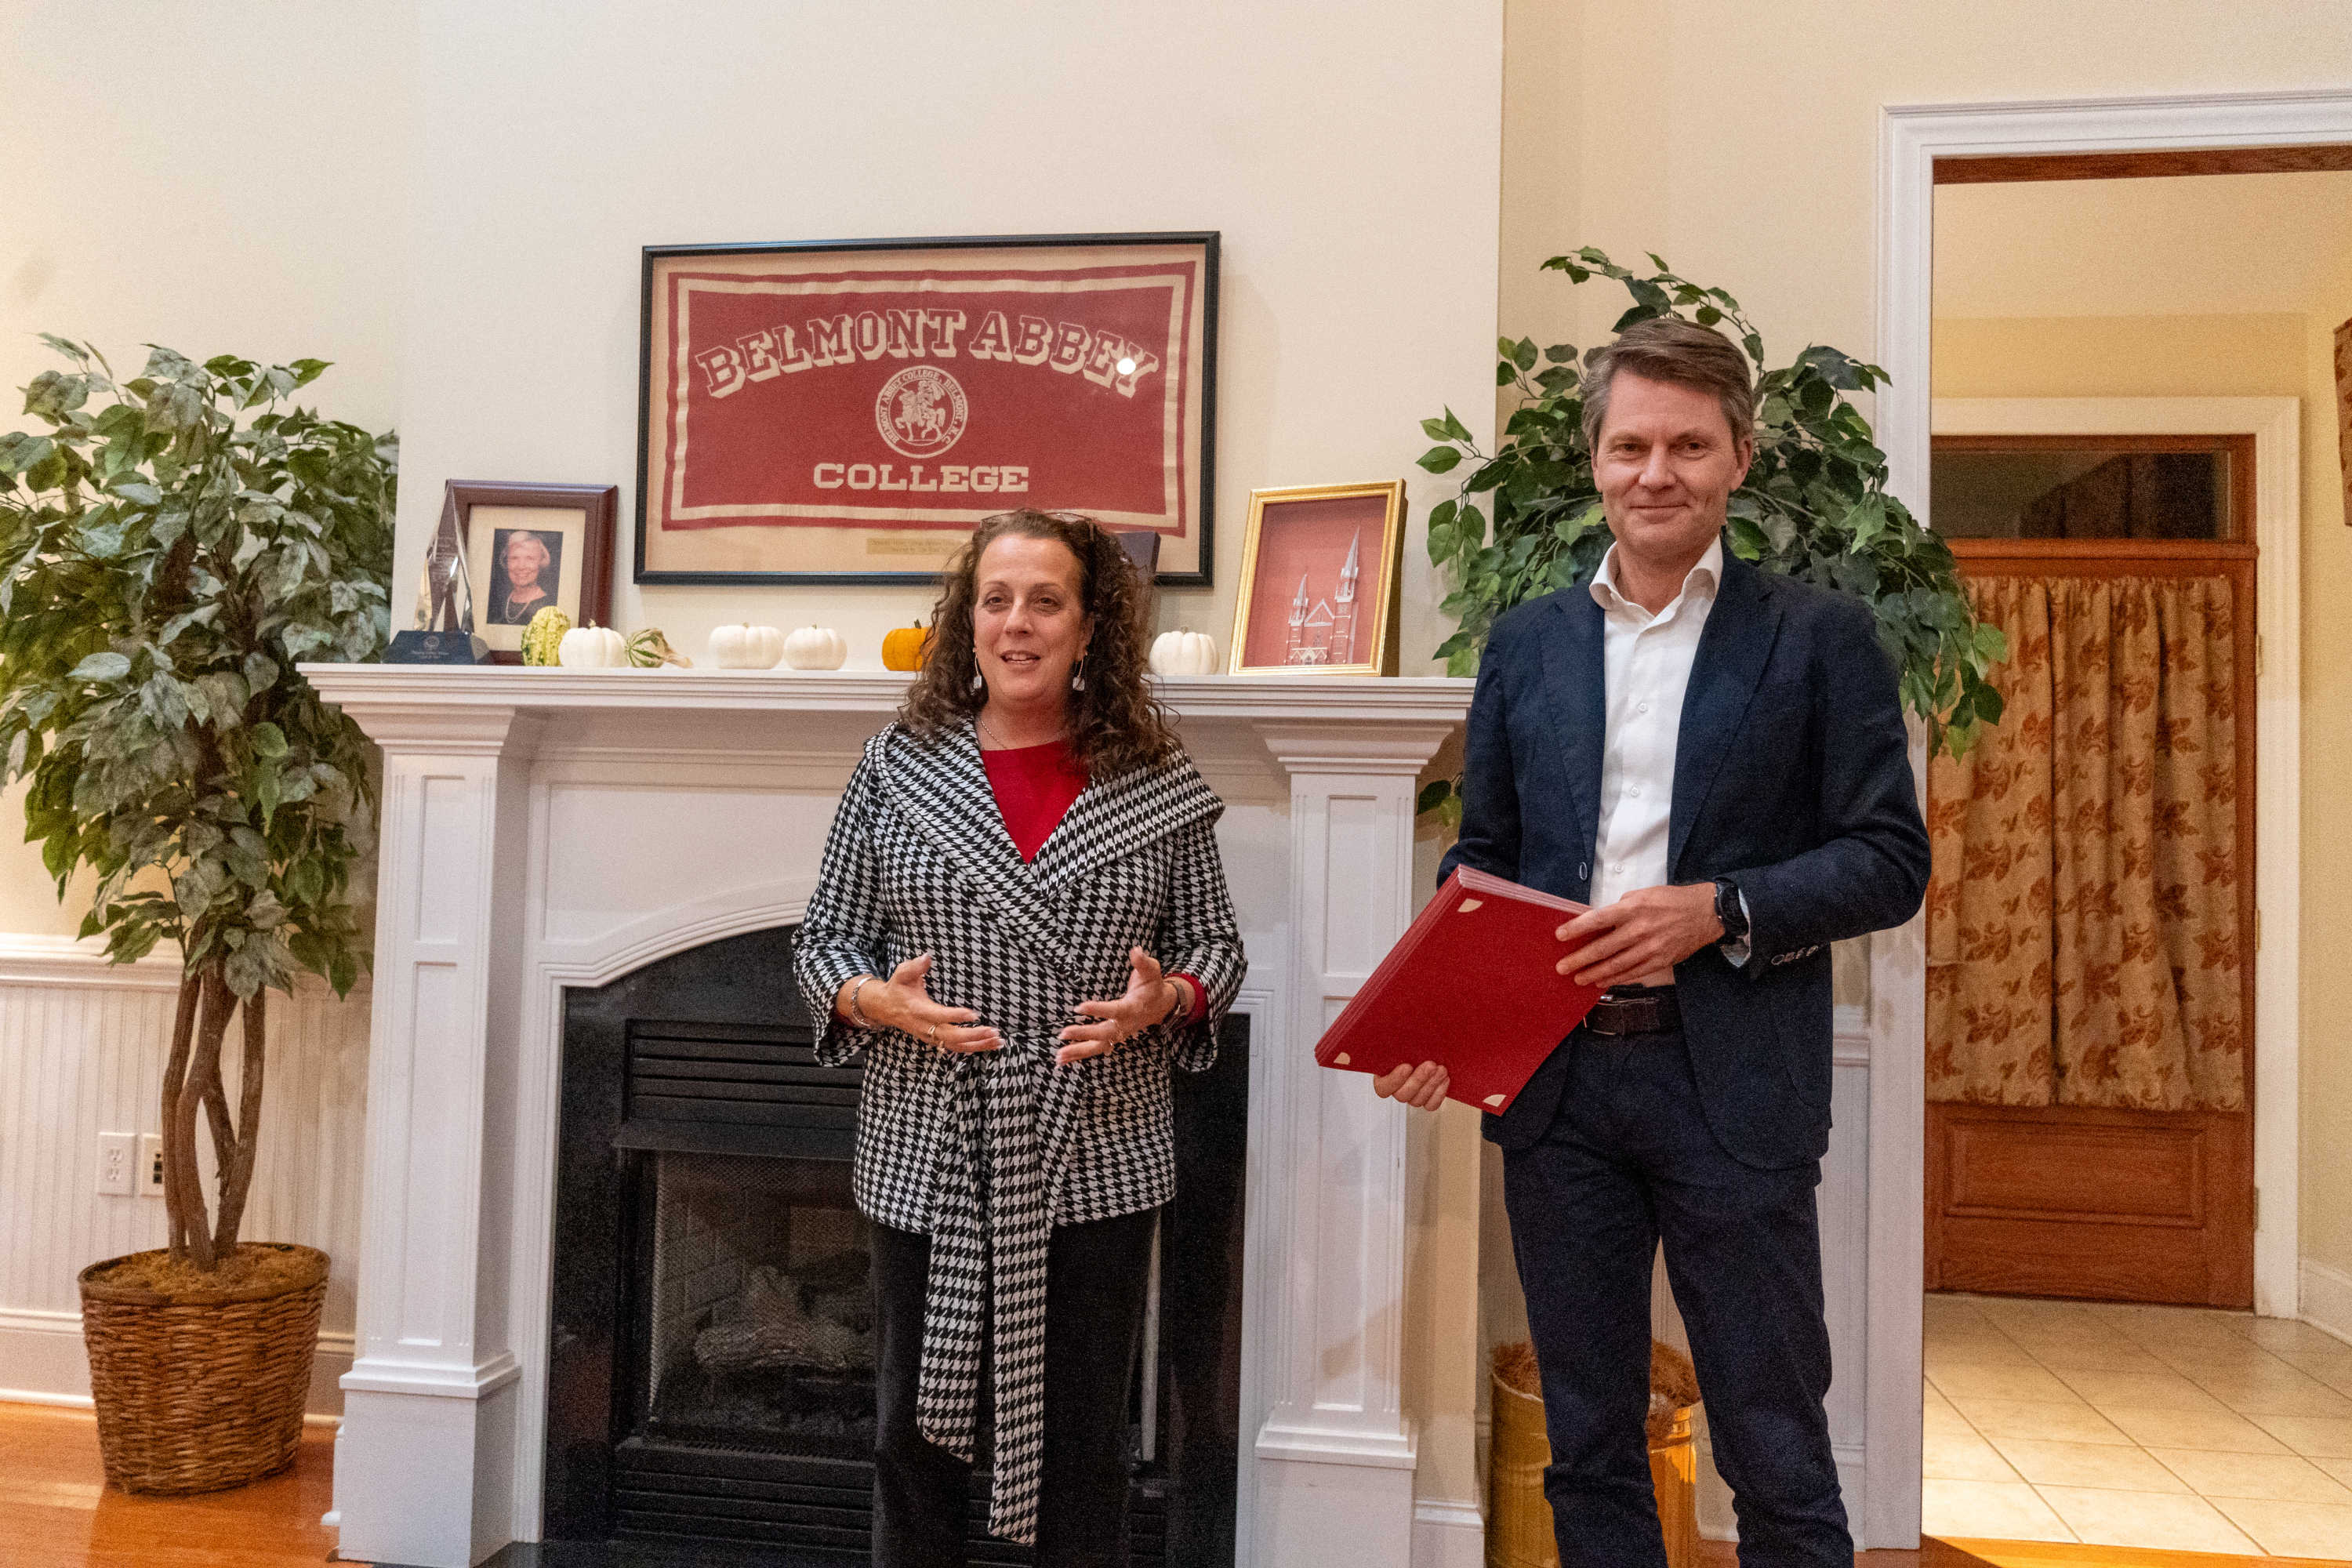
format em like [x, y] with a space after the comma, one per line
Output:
[57, 1512]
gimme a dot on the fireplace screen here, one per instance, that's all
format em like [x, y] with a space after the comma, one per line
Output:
[762, 1331]
[710, 1370]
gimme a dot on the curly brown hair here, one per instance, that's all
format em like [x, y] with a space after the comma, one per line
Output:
[1116, 724]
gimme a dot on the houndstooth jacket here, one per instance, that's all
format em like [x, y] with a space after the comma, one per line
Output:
[987, 1152]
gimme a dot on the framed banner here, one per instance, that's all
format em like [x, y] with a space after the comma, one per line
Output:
[1319, 573]
[846, 412]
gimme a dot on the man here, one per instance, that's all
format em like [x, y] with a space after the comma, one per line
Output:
[1715, 759]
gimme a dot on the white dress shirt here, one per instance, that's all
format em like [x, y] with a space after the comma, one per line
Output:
[1647, 664]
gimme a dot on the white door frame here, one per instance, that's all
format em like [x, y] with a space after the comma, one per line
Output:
[1911, 137]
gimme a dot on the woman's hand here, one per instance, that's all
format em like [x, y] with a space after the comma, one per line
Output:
[1422, 1087]
[1150, 1000]
[903, 1003]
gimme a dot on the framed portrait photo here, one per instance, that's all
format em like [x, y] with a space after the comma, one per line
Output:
[529, 546]
[847, 411]
[1319, 588]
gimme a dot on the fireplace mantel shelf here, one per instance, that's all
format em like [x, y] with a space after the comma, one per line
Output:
[357, 687]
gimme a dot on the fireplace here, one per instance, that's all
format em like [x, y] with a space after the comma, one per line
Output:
[550, 833]
[761, 1317]
[711, 1380]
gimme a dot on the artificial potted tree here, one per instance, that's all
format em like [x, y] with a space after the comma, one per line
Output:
[170, 546]
[1814, 506]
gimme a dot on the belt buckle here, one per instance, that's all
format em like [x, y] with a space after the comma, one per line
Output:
[1611, 1017]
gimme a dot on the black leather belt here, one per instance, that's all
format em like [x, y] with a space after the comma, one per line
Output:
[1636, 1010]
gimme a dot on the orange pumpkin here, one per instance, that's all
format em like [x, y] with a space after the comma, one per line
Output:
[905, 648]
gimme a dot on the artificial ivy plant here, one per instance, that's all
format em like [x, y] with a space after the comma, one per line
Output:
[1815, 506]
[169, 547]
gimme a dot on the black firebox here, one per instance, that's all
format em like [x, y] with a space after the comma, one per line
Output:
[711, 1382]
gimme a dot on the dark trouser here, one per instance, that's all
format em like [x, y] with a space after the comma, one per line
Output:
[1094, 1280]
[1627, 1163]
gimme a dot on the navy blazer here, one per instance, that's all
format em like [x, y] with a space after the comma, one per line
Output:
[1793, 775]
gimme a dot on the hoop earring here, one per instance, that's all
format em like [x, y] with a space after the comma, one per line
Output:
[1078, 675]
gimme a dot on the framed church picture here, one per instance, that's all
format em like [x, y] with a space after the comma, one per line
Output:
[529, 546]
[1318, 587]
[846, 412]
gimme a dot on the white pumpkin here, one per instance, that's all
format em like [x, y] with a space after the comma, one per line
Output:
[816, 647]
[592, 648]
[1184, 652]
[746, 647]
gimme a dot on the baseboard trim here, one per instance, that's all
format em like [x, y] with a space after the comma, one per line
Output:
[2326, 1303]
[1448, 1532]
[35, 1396]
[84, 1402]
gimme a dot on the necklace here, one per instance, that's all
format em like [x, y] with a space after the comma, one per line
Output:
[989, 733]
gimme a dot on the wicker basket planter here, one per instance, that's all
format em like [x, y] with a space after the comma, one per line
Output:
[201, 1391]
[1518, 1519]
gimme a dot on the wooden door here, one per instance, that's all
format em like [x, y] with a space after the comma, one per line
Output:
[2125, 1205]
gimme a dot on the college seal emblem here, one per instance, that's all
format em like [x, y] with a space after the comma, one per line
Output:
[921, 411]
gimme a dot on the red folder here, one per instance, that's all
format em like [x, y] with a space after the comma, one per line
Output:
[1472, 985]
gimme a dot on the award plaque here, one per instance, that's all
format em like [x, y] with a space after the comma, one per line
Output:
[444, 604]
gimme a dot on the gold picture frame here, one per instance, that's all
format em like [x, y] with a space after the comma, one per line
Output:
[1341, 616]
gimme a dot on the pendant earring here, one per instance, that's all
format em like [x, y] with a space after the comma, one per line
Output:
[1079, 676]
[977, 683]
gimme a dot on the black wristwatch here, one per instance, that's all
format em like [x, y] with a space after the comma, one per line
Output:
[1729, 910]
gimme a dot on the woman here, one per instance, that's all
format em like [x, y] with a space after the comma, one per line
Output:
[526, 557]
[1023, 921]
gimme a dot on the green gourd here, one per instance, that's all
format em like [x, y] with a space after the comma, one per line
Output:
[544, 635]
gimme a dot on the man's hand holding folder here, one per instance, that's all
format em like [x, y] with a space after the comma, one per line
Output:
[1470, 1001]
[1646, 931]
[1492, 975]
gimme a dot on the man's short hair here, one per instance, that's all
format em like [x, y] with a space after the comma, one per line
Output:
[1669, 349]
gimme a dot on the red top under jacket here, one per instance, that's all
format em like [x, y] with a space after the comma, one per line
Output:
[1034, 787]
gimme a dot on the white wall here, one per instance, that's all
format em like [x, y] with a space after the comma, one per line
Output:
[228, 178]
[1349, 157]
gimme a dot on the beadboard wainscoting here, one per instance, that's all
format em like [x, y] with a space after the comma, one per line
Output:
[82, 1044]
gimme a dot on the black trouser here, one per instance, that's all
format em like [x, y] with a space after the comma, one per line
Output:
[1629, 1161]
[1094, 1279]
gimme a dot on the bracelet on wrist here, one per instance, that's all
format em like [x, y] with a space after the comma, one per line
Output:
[856, 1013]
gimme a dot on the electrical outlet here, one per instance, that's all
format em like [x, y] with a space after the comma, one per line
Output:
[150, 1164]
[118, 1155]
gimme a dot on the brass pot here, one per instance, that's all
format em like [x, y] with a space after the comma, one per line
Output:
[1518, 1519]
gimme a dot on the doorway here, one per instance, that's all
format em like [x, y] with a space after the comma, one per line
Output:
[2090, 993]
[2307, 131]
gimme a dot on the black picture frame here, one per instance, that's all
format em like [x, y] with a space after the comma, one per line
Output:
[1203, 484]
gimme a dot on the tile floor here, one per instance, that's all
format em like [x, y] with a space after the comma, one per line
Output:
[2151, 1426]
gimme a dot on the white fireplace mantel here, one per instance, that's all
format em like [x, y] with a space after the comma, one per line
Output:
[549, 828]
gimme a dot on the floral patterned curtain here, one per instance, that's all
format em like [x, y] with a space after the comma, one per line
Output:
[2083, 937]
